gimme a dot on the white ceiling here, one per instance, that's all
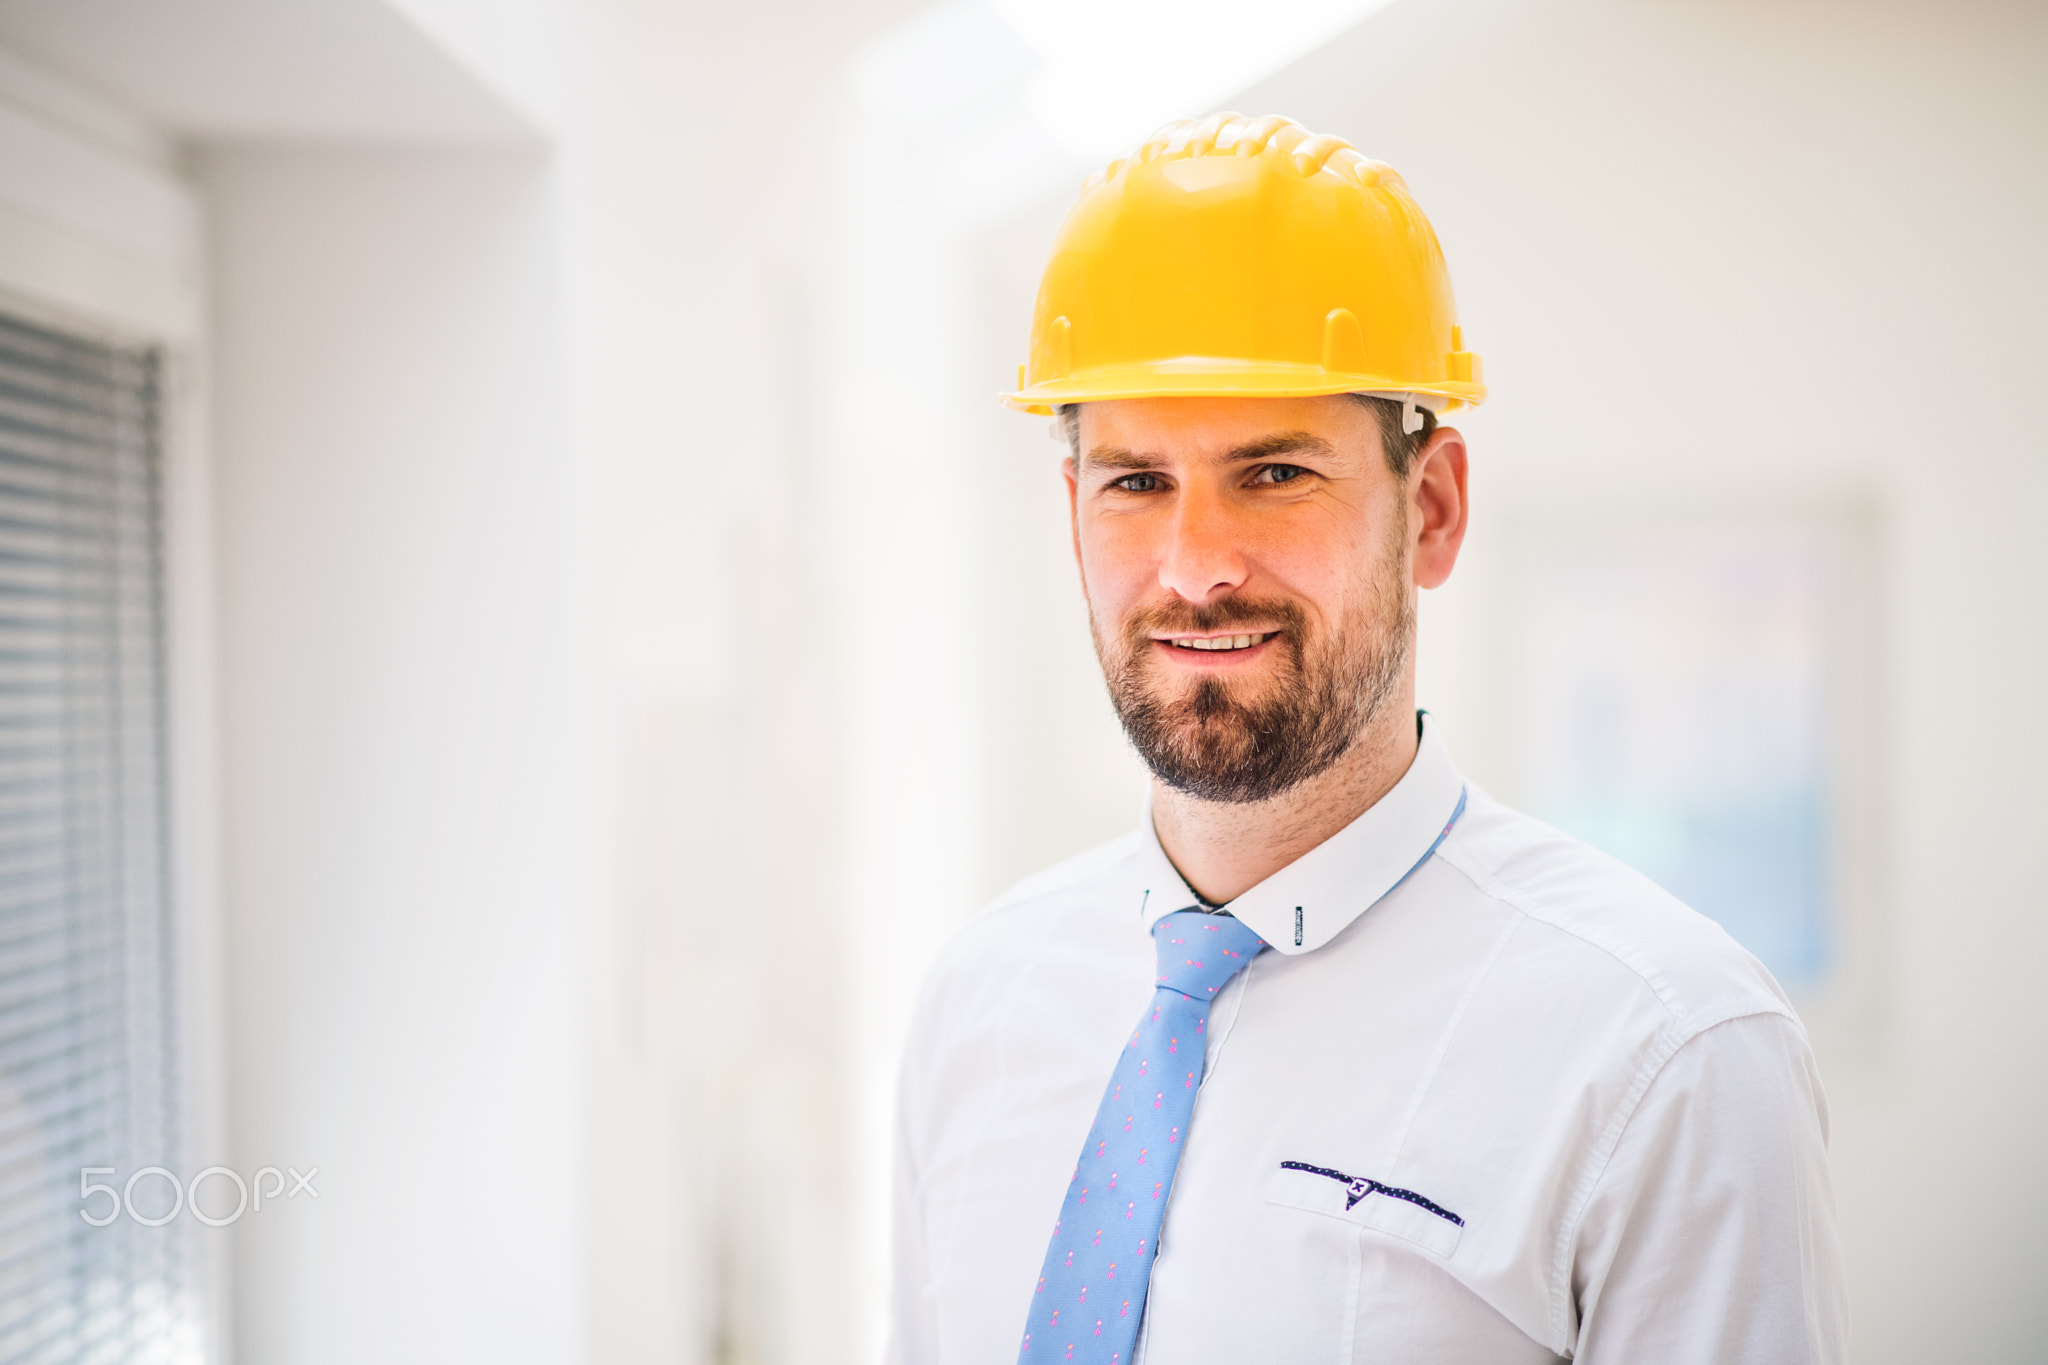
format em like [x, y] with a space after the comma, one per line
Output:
[264, 69]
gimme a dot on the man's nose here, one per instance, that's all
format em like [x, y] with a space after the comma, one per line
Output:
[1203, 557]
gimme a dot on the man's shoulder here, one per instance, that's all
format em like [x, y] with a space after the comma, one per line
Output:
[1602, 918]
[1064, 916]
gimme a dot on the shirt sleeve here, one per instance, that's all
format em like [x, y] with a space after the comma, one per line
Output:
[1710, 1237]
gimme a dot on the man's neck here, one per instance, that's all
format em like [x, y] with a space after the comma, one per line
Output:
[1225, 849]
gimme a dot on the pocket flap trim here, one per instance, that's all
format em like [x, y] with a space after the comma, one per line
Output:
[1368, 1203]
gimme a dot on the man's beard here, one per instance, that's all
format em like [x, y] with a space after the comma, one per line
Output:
[1214, 746]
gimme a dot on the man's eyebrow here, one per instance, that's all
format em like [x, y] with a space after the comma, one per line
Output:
[1266, 448]
[1286, 443]
[1116, 457]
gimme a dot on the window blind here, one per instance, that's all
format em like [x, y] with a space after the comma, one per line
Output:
[86, 1002]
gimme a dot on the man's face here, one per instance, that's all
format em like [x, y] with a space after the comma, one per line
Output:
[1247, 564]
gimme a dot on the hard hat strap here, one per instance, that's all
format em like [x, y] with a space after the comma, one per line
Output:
[1411, 403]
[1061, 428]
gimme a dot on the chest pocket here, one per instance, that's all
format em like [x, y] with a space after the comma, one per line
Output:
[1368, 1203]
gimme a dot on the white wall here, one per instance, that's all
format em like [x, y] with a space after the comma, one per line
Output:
[396, 751]
[535, 902]
[1754, 256]
[719, 903]
[536, 907]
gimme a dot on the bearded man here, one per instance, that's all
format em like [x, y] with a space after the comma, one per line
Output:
[1357, 1063]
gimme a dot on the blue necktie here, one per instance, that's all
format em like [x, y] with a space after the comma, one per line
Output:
[1091, 1296]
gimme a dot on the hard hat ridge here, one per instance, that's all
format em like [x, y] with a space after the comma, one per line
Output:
[1249, 256]
[1236, 135]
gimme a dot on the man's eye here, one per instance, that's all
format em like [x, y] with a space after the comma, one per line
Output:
[1137, 483]
[1279, 473]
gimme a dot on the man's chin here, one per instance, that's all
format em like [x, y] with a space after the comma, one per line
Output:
[1211, 749]
[1203, 697]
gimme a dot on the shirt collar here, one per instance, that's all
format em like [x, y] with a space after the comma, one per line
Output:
[1316, 897]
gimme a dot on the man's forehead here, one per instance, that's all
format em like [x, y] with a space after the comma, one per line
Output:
[1151, 431]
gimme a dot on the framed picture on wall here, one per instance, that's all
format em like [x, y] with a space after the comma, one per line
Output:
[1694, 694]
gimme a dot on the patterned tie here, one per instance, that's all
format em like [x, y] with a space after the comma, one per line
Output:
[1091, 1296]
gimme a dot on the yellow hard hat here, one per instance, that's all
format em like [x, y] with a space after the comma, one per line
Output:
[1236, 256]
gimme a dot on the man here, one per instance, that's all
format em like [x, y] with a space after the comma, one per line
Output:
[1357, 1063]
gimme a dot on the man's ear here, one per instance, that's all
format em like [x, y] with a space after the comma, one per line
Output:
[1438, 506]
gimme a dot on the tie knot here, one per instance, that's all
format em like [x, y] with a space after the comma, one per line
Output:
[1199, 953]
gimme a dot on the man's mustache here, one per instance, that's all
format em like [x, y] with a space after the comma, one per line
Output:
[1224, 612]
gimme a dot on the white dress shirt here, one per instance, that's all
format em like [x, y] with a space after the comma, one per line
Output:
[1488, 1096]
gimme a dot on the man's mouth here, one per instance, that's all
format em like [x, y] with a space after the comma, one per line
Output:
[1217, 643]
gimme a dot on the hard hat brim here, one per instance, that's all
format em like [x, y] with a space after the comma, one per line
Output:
[1207, 377]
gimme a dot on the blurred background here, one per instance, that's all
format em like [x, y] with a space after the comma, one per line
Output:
[523, 628]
